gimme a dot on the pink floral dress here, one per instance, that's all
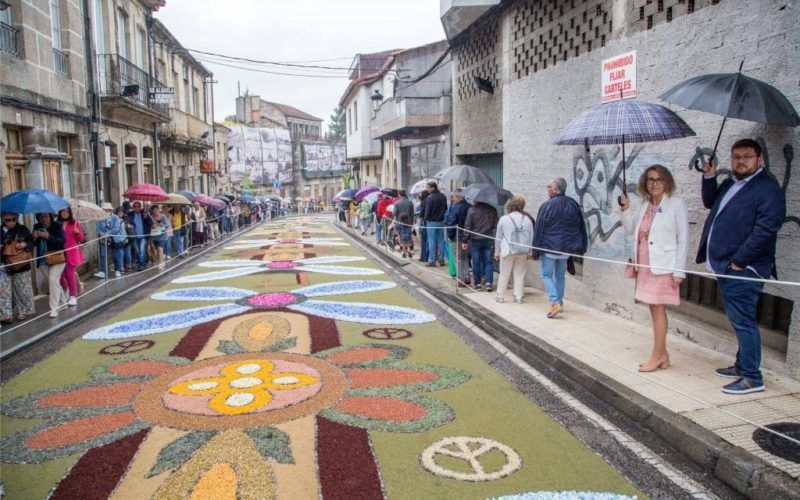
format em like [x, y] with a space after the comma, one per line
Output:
[652, 288]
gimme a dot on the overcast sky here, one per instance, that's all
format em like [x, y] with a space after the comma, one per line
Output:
[296, 30]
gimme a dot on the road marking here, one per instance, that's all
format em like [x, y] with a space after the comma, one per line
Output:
[692, 487]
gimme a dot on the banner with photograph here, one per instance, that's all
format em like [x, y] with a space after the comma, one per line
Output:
[263, 153]
[323, 160]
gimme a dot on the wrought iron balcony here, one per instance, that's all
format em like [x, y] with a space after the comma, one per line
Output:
[60, 63]
[120, 77]
[9, 39]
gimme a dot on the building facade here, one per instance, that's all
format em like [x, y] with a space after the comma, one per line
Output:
[543, 61]
[187, 138]
[220, 156]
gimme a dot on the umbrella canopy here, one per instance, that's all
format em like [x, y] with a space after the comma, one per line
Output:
[188, 194]
[177, 199]
[86, 211]
[247, 198]
[32, 201]
[390, 192]
[209, 201]
[734, 95]
[419, 187]
[230, 196]
[361, 193]
[372, 197]
[624, 121]
[223, 198]
[346, 194]
[145, 192]
[486, 193]
[459, 175]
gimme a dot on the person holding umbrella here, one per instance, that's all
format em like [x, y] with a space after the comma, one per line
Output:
[50, 240]
[435, 207]
[661, 235]
[480, 227]
[74, 255]
[16, 288]
[738, 241]
[560, 228]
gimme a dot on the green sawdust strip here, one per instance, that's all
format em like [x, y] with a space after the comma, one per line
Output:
[230, 347]
[436, 414]
[282, 345]
[272, 443]
[179, 451]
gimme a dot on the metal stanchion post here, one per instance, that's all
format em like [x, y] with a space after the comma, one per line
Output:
[456, 255]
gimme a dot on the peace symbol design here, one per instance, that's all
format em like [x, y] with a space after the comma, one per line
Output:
[469, 449]
[127, 347]
[387, 333]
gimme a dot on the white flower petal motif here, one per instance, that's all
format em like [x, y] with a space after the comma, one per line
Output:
[247, 244]
[232, 263]
[203, 293]
[342, 270]
[332, 259]
[164, 322]
[218, 275]
[360, 312]
[240, 399]
[344, 287]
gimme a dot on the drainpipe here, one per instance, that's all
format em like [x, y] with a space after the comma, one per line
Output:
[92, 94]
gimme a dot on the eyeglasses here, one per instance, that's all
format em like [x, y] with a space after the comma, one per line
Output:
[741, 158]
[655, 180]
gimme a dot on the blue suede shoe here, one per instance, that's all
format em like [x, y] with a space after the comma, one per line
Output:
[729, 372]
[742, 386]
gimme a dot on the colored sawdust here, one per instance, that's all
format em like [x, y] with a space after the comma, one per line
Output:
[358, 356]
[79, 430]
[378, 408]
[219, 483]
[141, 368]
[136, 483]
[379, 377]
[254, 474]
[94, 397]
[238, 329]
[299, 480]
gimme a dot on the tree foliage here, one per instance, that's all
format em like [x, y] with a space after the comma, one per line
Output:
[336, 126]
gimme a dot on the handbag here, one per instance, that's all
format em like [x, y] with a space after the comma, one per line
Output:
[16, 260]
[55, 258]
[630, 270]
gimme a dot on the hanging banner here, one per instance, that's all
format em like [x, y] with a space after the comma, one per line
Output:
[619, 74]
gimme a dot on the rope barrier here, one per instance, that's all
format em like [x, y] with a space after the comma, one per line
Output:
[636, 373]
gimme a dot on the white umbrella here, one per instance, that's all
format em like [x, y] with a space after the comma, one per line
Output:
[86, 211]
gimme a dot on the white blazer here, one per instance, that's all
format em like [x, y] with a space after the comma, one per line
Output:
[668, 237]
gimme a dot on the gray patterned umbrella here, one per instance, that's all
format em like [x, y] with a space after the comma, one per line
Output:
[462, 174]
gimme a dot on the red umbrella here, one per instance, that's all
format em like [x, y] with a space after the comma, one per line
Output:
[145, 192]
[209, 201]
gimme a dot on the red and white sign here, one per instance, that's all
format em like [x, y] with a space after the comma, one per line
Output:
[619, 74]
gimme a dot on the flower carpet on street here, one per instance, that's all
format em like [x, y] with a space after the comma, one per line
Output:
[283, 382]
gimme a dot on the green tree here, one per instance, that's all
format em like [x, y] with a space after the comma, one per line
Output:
[336, 126]
[246, 182]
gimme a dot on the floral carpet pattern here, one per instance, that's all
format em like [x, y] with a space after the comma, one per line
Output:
[285, 379]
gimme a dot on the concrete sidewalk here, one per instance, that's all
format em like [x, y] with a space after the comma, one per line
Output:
[683, 405]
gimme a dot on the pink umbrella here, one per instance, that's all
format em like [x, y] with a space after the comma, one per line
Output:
[145, 192]
[209, 201]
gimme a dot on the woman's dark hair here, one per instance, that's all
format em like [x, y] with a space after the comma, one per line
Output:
[40, 215]
[69, 218]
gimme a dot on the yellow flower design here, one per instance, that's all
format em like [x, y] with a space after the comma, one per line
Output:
[242, 387]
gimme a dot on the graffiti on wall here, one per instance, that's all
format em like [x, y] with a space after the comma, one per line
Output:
[702, 155]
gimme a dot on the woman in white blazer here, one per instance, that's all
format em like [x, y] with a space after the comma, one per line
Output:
[660, 229]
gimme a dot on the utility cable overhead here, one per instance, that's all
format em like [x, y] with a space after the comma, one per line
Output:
[209, 61]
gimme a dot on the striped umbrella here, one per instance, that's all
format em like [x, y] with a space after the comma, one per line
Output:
[145, 192]
[624, 121]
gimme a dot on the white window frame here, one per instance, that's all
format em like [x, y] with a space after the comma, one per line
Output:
[55, 23]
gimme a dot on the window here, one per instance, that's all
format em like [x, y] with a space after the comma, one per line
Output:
[349, 122]
[122, 34]
[99, 27]
[355, 115]
[55, 23]
[187, 98]
[15, 160]
[196, 99]
[52, 176]
[141, 48]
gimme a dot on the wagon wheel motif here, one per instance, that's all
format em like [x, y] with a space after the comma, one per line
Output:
[127, 347]
[387, 333]
[470, 450]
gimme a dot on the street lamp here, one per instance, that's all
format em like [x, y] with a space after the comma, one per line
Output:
[377, 99]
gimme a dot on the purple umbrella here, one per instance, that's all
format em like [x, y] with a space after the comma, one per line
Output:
[365, 191]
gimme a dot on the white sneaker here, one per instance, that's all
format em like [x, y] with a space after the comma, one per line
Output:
[100, 275]
[117, 274]
[73, 301]
[54, 314]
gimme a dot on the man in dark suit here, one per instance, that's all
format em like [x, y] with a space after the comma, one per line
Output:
[738, 240]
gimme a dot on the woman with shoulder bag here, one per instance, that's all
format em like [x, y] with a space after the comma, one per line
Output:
[16, 288]
[74, 255]
[660, 229]
[512, 248]
[50, 240]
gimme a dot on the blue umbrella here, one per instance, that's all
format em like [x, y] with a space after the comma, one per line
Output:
[248, 198]
[32, 201]
[624, 121]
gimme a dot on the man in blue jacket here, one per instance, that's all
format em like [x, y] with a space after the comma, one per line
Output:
[559, 227]
[455, 217]
[738, 240]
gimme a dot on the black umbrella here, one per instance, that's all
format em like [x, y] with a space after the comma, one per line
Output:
[223, 198]
[390, 192]
[490, 194]
[734, 95]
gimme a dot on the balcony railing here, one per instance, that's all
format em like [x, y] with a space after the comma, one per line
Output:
[60, 63]
[397, 117]
[9, 39]
[120, 77]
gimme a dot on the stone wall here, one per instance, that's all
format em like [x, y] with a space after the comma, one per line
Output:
[537, 106]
